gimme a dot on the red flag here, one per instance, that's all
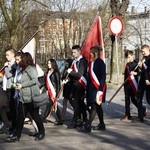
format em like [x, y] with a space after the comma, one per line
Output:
[94, 37]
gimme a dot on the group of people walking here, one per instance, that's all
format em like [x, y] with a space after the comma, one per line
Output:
[84, 83]
[20, 82]
[137, 82]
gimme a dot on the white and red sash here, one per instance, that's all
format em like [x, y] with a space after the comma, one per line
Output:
[82, 80]
[50, 88]
[93, 77]
[133, 83]
[144, 66]
[95, 81]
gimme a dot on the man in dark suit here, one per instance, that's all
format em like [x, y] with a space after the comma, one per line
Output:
[78, 73]
[144, 83]
[131, 86]
[96, 89]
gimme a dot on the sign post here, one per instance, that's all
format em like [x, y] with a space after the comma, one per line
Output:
[116, 27]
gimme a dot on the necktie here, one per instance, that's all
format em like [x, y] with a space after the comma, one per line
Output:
[77, 64]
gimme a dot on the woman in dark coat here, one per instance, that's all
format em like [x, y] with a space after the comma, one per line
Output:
[96, 89]
[53, 86]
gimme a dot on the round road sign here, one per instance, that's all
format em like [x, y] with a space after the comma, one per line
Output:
[115, 26]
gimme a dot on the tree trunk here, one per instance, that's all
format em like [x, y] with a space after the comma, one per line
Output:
[118, 9]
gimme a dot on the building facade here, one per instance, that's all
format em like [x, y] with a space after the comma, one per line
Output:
[137, 32]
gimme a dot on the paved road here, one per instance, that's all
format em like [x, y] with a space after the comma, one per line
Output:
[120, 135]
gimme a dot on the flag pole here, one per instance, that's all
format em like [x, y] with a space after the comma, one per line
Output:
[2, 68]
[28, 40]
[55, 101]
[120, 87]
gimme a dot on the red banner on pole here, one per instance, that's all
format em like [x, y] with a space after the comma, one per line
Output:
[94, 37]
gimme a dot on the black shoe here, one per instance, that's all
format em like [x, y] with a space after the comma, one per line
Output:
[12, 139]
[139, 119]
[10, 135]
[85, 128]
[72, 126]
[4, 129]
[40, 137]
[80, 123]
[100, 127]
[58, 123]
[33, 134]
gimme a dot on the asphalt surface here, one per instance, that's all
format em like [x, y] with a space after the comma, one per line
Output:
[119, 135]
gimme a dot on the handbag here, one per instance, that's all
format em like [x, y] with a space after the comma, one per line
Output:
[41, 81]
[41, 99]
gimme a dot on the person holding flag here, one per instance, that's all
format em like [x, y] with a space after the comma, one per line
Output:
[96, 89]
[131, 86]
[78, 73]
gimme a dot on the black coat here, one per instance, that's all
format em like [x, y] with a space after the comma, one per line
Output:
[55, 79]
[131, 67]
[99, 69]
[82, 71]
[68, 86]
[147, 71]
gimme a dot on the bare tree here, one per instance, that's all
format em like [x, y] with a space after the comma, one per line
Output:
[14, 13]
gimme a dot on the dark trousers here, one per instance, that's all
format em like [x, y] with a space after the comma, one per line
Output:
[14, 113]
[129, 96]
[142, 88]
[13, 104]
[78, 103]
[95, 108]
[23, 109]
[4, 101]
[58, 114]
[148, 94]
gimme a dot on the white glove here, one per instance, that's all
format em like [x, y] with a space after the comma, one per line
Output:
[18, 86]
[6, 64]
[64, 81]
[99, 97]
[69, 70]
[147, 82]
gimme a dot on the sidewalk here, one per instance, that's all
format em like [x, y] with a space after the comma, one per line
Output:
[119, 135]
